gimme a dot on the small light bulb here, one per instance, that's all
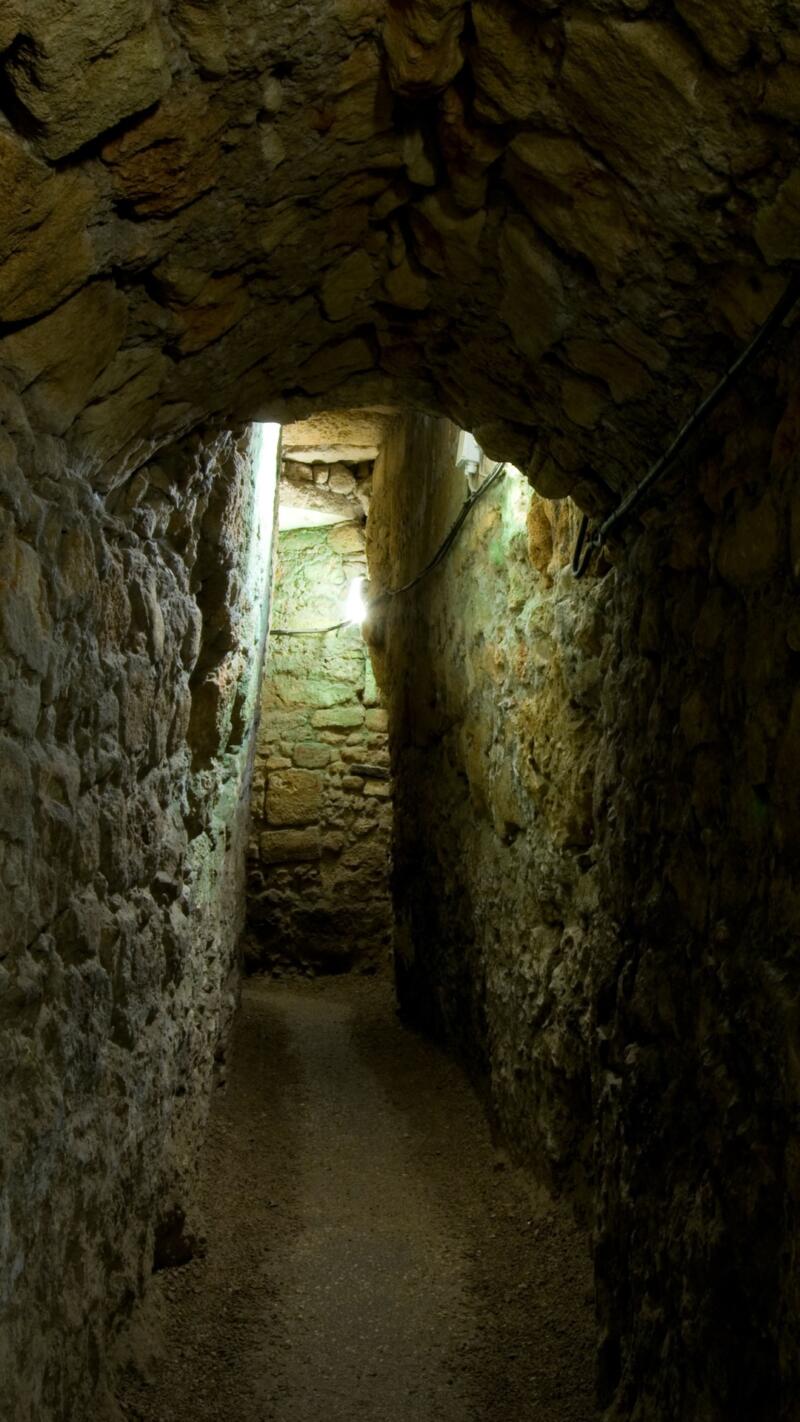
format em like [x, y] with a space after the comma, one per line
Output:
[355, 607]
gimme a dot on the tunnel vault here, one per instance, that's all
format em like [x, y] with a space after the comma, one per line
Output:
[553, 224]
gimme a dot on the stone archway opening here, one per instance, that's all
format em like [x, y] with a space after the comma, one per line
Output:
[556, 224]
[318, 897]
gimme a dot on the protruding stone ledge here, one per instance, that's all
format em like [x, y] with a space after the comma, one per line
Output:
[370, 772]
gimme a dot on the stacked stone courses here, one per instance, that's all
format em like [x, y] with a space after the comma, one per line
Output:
[555, 224]
[318, 893]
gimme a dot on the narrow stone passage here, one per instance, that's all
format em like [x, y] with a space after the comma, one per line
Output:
[369, 1255]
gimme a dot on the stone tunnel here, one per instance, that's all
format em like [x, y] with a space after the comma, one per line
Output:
[372, 225]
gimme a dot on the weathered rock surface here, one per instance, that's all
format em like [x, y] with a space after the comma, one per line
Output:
[554, 223]
[492, 679]
[332, 491]
[385, 202]
[318, 896]
[330, 438]
[596, 855]
[128, 677]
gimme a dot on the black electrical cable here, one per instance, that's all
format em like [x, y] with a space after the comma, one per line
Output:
[441, 553]
[307, 631]
[444, 548]
[585, 548]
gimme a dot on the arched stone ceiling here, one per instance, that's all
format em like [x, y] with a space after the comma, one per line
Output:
[552, 221]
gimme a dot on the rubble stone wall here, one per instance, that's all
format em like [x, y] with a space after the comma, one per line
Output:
[552, 222]
[557, 224]
[318, 886]
[131, 632]
[491, 675]
[597, 855]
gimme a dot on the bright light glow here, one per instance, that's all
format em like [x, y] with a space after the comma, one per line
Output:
[517, 496]
[267, 459]
[291, 517]
[355, 607]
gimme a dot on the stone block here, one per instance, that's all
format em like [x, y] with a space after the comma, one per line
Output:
[309, 689]
[341, 481]
[343, 287]
[723, 31]
[782, 95]
[45, 251]
[367, 857]
[514, 62]
[369, 771]
[336, 362]
[407, 288]
[169, 158]
[25, 621]
[298, 473]
[533, 283]
[349, 539]
[280, 724]
[587, 216]
[294, 797]
[777, 224]
[80, 79]
[204, 31]
[15, 785]
[378, 789]
[312, 755]
[377, 719]
[338, 718]
[59, 371]
[289, 846]
[371, 693]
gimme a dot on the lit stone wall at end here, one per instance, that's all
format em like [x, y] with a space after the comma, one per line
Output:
[318, 892]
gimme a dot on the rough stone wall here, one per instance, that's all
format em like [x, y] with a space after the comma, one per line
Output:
[318, 887]
[554, 222]
[130, 638]
[596, 865]
[337, 490]
[491, 676]
[695, 1049]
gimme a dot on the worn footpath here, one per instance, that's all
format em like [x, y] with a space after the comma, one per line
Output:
[369, 1253]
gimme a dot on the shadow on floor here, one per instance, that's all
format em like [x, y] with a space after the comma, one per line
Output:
[370, 1255]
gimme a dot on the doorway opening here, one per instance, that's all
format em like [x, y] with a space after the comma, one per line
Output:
[318, 897]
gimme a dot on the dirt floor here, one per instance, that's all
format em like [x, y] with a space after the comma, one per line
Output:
[370, 1255]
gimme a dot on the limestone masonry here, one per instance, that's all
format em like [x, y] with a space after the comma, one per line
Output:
[318, 864]
[553, 223]
[596, 861]
[130, 657]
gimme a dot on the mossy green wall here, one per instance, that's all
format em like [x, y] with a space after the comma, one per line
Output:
[318, 863]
